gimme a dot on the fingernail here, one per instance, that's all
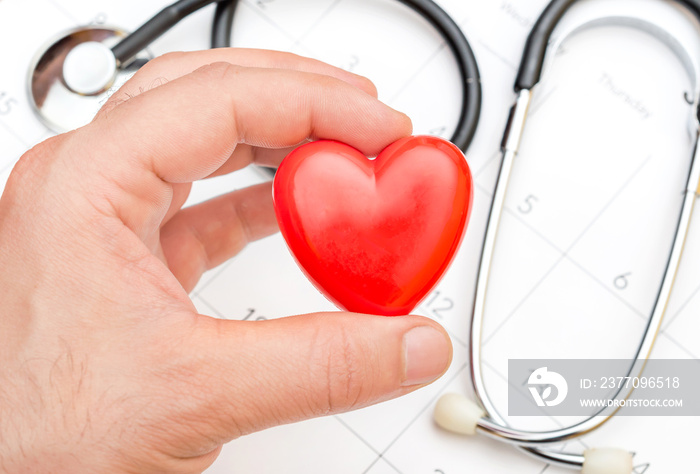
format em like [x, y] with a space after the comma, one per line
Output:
[428, 353]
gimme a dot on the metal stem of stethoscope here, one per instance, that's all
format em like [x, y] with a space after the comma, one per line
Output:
[490, 422]
[494, 425]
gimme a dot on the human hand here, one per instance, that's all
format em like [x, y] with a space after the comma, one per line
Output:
[106, 364]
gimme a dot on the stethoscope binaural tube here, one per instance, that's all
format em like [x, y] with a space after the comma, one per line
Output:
[221, 37]
[532, 62]
[488, 421]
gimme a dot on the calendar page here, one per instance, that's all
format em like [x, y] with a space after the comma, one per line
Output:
[588, 223]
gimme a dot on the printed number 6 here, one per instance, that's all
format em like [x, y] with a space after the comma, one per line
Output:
[622, 282]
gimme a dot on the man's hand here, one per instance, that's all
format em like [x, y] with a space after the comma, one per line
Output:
[106, 364]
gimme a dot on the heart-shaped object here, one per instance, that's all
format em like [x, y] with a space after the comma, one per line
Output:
[375, 236]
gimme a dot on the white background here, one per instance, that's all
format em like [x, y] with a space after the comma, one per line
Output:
[589, 217]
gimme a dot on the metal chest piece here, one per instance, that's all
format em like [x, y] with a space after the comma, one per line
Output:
[74, 75]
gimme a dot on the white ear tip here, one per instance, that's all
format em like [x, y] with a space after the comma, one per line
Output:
[457, 413]
[607, 461]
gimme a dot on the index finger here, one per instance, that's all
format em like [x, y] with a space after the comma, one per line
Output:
[177, 64]
[186, 129]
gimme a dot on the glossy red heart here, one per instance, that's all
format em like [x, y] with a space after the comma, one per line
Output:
[375, 236]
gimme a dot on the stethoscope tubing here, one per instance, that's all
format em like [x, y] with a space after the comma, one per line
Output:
[493, 425]
[453, 36]
[538, 41]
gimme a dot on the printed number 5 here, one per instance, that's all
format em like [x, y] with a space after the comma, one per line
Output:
[528, 205]
[6, 103]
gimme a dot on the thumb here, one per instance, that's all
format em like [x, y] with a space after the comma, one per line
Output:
[260, 374]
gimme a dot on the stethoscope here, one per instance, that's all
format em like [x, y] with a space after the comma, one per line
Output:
[455, 412]
[72, 76]
[77, 71]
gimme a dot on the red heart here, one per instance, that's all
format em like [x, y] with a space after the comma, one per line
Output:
[375, 236]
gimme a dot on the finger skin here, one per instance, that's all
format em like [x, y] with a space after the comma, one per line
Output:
[177, 64]
[245, 154]
[303, 367]
[170, 66]
[225, 105]
[204, 236]
[228, 104]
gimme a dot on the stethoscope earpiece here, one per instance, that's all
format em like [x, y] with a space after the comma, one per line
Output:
[458, 414]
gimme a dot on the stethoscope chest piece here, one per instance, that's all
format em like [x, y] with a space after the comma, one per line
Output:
[73, 75]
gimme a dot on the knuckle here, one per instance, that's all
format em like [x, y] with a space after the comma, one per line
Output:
[160, 63]
[149, 76]
[288, 60]
[344, 366]
[219, 71]
[30, 166]
[328, 82]
[369, 85]
[225, 77]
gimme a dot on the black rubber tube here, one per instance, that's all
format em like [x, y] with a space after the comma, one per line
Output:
[468, 68]
[536, 45]
[222, 27]
[532, 61]
[221, 38]
[448, 29]
[155, 27]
